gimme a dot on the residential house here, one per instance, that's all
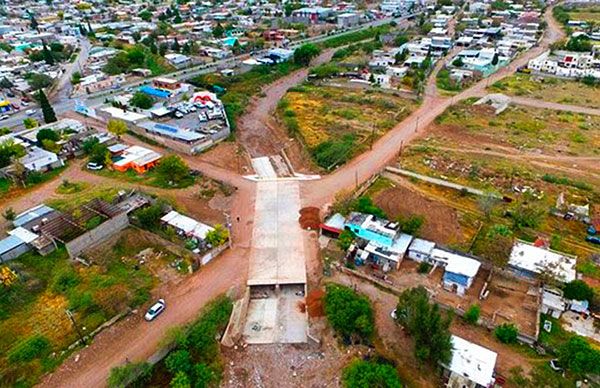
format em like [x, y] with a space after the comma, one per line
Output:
[528, 261]
[472, 365]
[186, 226]
[178, 60]
[420, 250]
[459, 270]
[138, 158]
[39, 160]
[348, 19]
[385, 247]
[333, 226]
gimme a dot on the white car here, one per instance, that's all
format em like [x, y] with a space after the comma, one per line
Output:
[394, 315]
[30, 112]
[155, 310]
[24, 103]
[202, 116]
[4, 117]
[94, 166]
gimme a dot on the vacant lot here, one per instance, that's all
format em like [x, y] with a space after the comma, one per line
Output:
[336, 124]
[496, 154]
[524, 129]
[36, 329]
[585, 13]
[549, 89]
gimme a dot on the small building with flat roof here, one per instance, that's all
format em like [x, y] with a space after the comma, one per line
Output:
[529, 261]
[139, 158]
[471, 366]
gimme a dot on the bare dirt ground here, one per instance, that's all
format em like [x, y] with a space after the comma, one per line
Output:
[403, 202]
[228, 155]
[258, 130]
[401, 347]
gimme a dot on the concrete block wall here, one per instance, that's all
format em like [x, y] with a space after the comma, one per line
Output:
[102, 232]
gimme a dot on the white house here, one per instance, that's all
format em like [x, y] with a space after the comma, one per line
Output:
[472, 365]
[459, 270]
[528, 261]
[420, 250]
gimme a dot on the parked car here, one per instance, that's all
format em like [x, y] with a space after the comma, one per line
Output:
[202, 116]
[394, 315]
[24, 103]
[155, 310]
[4, 117]
[94, 166]
[178, 114]
[593, 239]
[30, 112]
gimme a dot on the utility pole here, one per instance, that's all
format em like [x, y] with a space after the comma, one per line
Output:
[417, 124]
[372, 136]
[356, 179]
[72, 318]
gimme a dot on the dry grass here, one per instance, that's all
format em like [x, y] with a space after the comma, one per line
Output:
[549, 89]
[325, 113]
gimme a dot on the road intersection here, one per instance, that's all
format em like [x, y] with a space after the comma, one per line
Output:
[253, 234]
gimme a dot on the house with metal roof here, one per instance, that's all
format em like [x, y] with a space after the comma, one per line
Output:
[471, 366]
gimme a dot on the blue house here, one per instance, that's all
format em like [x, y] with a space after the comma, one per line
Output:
[371, 228]
[459, 270]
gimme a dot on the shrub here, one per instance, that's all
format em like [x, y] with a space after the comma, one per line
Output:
[349, 313]
[64, 280]
[472, 314]
[179, 361]
[412, 225]
[364, 374]
[365, 205]
[37, 346]
[578, 290]
[424, 267]
[506, 333]
[579, 356]
[345, 240]
[130, 373]
[218, 236]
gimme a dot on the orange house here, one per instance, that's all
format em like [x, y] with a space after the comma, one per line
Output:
[138, 158]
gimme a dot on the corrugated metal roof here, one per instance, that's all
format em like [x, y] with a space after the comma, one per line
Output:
[10, 243]
[32, 214]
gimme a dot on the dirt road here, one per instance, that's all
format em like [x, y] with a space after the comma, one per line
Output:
[387, 147]
[136, 340]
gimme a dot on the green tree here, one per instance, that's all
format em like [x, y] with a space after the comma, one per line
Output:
[162, 49]
[5, 83]
[149, 216]
[179, 361]
[367, 374]
[578, 290]
[181, 380]
[142, 100]
[9, 151]
[9, 214]
[472, 314]
[117, 128]
[349, 313]
[98, 153]
[425, 323]
[129, 373]
[145, 15]
[173, 169]
[578, 356]
[458, 62]
[47, 110]
[76, 78]
[47, 55]
[47, 134]
[365, 205]
[30, 123]
[204, 376]
[506, 333]
[218, 31]
[218, 236]
[525, 215]
[38, 81]
[305, 53]
[176, 46]
[345, 240]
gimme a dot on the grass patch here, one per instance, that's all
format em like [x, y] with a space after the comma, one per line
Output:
[67, 187]
[150, 178]
[32, 310]
[336, 124]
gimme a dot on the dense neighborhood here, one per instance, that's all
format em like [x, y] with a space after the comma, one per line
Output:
[302, 193]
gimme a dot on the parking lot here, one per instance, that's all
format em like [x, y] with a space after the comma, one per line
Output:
[188, 118]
